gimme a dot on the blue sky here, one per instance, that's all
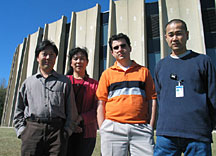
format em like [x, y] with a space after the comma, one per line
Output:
[24, 17]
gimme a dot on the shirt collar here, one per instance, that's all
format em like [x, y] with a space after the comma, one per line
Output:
[181, 56]
[115, 66]
[53, 73]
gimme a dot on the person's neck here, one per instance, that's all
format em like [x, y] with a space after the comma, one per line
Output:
[177, 53]
[79, 75]
[125, 63]
[45, 73]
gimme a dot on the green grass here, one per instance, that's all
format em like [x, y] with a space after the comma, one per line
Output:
[10, 145]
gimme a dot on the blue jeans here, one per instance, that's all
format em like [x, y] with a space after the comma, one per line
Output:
[175, 146]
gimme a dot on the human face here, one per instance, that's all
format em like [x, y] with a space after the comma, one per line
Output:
[121, 50]
[176, 37]
[79, 63]
[46, 59]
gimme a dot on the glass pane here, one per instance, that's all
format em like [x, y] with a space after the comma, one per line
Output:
[212, 53]
[153, 59]
[105, 34]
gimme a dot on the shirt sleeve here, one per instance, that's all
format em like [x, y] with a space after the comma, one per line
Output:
[19, 118]
[70, 109]
[211, 78]
[102, 90]
[150, 87]
[157, 85]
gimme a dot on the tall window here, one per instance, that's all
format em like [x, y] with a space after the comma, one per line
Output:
[103, 43]
[153, 37]
[209, 23]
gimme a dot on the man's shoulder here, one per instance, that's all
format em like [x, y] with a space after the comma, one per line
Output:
[199, 56]
[61, 77]
[30, 78]
[163, 60]
[29, 81]
[110, 69]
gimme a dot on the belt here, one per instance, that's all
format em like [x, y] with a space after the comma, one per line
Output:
[45, 120]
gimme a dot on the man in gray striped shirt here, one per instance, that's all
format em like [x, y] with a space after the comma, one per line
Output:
[45, 112]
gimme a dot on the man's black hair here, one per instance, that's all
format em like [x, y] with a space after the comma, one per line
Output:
[117, 37]
[177, 21]
[43, 45]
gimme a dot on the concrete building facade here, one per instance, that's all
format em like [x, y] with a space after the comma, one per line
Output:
[143, 22]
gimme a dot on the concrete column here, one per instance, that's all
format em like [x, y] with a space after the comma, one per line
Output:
[71, 39]
[163, 19]
[56, 32]
[111, 31]
[32, 43]
[128, 17]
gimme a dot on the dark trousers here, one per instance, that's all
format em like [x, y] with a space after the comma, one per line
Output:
[41, 139]
[80, 146]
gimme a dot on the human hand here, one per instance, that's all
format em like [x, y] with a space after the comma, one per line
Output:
[78, 130]
[79, 119]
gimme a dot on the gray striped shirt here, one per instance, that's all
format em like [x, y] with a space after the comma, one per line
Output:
[50, 97]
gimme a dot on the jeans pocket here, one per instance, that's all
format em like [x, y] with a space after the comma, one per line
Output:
[107, 125]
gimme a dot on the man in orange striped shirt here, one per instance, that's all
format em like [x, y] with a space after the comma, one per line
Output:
[127, 104]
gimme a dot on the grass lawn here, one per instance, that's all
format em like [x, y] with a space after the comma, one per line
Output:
[10, 145]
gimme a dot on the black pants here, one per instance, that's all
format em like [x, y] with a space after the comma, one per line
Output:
[41, 139]
[80, 146]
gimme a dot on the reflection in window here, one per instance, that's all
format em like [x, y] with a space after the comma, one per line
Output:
[153, 59]
[105, 34]
[212, 53]
[153, 35]
[103, 42]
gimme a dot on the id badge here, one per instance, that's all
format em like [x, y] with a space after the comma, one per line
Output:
[180, 91]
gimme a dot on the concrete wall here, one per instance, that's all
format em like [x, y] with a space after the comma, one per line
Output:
[56, 32]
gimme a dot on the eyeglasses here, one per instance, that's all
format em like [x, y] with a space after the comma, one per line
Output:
[117, 47]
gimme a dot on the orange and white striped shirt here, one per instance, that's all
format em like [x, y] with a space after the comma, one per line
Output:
[126, 93]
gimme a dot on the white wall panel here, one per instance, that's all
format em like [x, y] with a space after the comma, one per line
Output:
[56, 32]
[128, 17]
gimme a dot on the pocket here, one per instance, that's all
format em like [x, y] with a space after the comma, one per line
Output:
[23, 132]
[56, 98]
[65, 134]
[102, 125]
[150, 127]
[107, 126]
